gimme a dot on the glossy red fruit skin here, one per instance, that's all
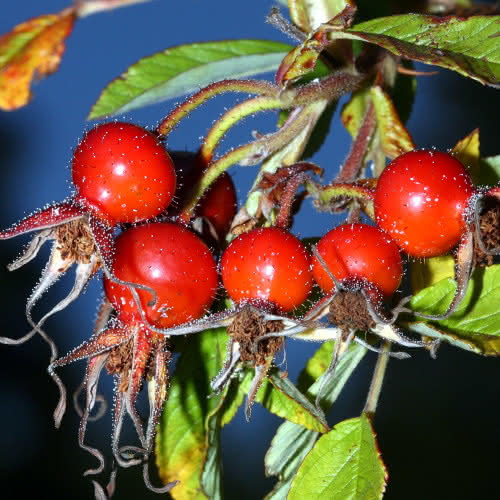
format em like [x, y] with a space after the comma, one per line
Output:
[359, 252]
[122, 173]
[174, 262]
[219, 204]
[420, 200]
[267, 265]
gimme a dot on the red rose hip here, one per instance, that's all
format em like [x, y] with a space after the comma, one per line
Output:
[171, 260]
[421, 199]
[123, 173]
[267, 265]
[358, 252]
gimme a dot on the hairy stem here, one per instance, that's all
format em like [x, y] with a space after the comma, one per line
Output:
[349, 171]
[233, 116]
[331, 88]
[378, 379]
[280, 23]
[251, 153]
[327, 194]
[287, 197]
[190, 104]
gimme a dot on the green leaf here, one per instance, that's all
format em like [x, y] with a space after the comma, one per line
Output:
[487, 345]
[345, 463]
[489, 171]
[235, 396]
[292, 442]
[288, 449]
[278, 395]
[211, 472]
[186, 445]
[184, 69]
[478, 312]
[312, 375]
[469, 46]
[281, 397]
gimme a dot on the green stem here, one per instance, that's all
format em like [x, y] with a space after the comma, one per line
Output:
[190, 104]
[233, 116]
[326, 194]
[251, 153]
[378, 379]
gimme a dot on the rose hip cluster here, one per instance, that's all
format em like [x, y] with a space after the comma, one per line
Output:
[161, 277]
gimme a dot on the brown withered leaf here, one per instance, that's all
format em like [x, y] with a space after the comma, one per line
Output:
[32, 49]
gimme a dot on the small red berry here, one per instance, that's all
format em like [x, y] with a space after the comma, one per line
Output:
[219, 203]
[421, 199]
[123, 173]
[359, 252]
[171, 260]
[267, 265]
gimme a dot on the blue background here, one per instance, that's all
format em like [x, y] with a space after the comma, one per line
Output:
[437, 422]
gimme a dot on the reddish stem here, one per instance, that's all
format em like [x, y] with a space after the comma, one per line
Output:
[353, 164]
[286, 200]
[190, 104]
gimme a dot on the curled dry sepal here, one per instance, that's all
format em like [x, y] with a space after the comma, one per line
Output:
[112, 163]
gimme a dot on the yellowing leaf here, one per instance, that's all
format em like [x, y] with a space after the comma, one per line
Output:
[33, 48]
[394, 137]
[336, 14]
[354, 111]
[467, 151]
[424, 273]
[186, 438]
[299, 61]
